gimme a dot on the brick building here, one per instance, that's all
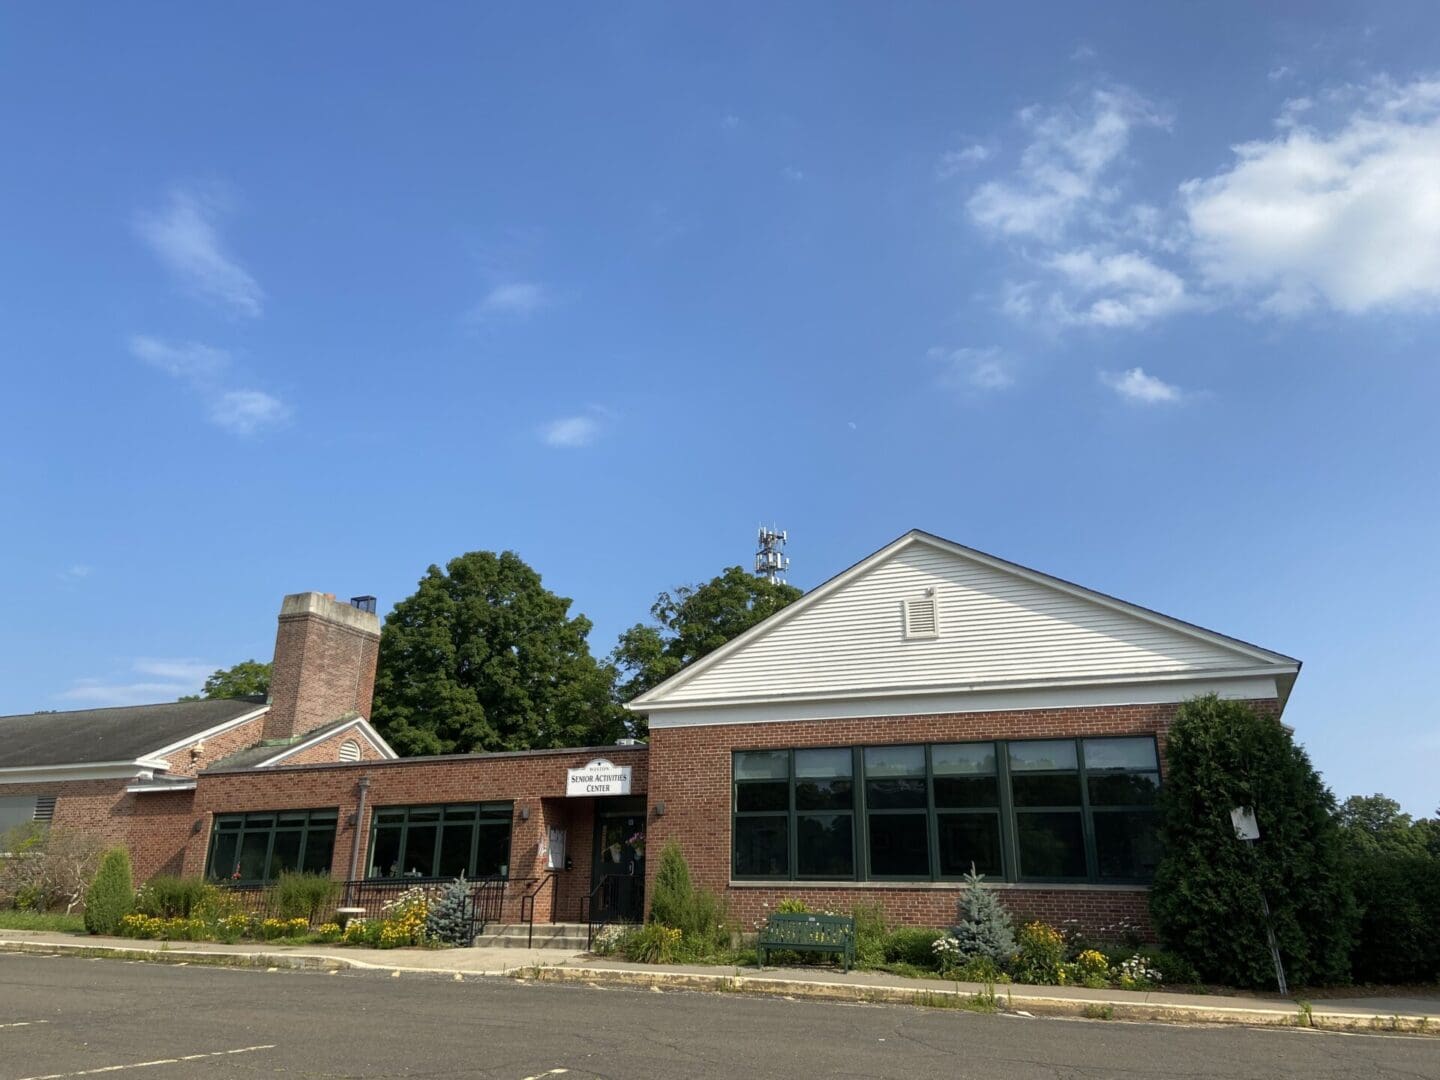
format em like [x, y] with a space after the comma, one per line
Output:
[929, 709]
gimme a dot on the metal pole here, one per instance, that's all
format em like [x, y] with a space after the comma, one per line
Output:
[359, 822]
[1274, 947]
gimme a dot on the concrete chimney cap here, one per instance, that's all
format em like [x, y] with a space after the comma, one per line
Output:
[325, 606]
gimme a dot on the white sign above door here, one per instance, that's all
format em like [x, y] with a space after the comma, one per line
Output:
[600, 777]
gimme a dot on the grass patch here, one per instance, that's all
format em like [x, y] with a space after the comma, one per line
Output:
[41, 920]
[1098, 1012]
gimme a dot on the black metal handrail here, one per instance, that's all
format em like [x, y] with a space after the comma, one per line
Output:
[485, 903]
[527, 906]
[487, 896]
[603, 903]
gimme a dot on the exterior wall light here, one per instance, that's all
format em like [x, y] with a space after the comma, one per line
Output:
[524, 813]
[659, 809]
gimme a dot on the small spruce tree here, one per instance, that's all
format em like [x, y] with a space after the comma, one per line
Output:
[449, 919]
[111, 895]
[984, 928]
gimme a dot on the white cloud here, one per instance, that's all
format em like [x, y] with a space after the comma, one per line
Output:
[954, 162]
[183, 235]
[1137, 387]
[185, 360]
[1122, 289]
[75, 572]
[570, 432]
[729, 122]
[245, 412]
[1348, 216]
[791, 173]
[203, 368]
[162, 680]
[520, 299]
[1062, 172]
[974, 368]
[1276, 74]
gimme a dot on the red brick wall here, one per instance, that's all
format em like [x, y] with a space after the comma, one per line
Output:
[535, 782]
[324, 669]
[154, 827]
[184, 763]
[690, 770]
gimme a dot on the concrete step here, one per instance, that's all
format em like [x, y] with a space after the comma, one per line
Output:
[570, 936]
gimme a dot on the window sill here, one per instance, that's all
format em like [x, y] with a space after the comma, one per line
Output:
[1063, 886]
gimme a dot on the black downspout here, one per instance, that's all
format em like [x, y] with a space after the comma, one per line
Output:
[359, 821]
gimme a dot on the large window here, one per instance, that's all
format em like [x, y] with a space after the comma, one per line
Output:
[260, 846]
[441, 841]
[1080, 810]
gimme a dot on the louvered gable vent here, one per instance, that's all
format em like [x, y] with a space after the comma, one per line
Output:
[922, 617]
[44, 807]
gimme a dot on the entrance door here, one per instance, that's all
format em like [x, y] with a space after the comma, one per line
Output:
[617, 880]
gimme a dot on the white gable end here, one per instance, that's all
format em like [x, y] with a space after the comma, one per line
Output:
[989, 627]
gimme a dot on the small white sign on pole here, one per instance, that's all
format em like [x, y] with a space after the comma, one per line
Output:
[1246, 827]
[600, 777]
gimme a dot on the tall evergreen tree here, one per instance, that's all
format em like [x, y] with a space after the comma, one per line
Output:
[483, 657]
[1207, 895]
[692, 621]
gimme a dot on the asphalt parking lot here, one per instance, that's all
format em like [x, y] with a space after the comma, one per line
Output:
[63, 1017]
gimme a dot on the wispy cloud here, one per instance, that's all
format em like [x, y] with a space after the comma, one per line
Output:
[159, 680]
[1343, 214]
[247, 411]
[75, 572]
[1121, 289]
[1139, 388]
[1062, 175]
[204, 369]
[580, 430]
[791, 173]
[971, 368]
[184, 235]
[954, 162]
[729, 122]
[514, 299]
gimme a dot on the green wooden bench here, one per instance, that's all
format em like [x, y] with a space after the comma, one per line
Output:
[809, 933]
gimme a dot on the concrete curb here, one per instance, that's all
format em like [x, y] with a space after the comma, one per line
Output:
[1005, 999]
[1021, 1001]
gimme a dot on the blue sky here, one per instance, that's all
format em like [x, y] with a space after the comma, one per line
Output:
[312, 296]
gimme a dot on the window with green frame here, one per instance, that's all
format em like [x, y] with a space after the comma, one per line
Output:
[258, 847]
[440, 841]
[1080, 810]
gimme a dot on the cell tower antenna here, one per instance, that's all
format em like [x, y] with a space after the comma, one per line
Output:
[770, 562]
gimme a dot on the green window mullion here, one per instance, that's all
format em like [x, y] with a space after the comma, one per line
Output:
[404, 839]
[932, 822]
[475, 845]
[1009, 841]
[1092, 864]
[792, 827]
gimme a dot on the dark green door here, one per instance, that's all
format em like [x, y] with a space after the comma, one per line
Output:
[617, 879]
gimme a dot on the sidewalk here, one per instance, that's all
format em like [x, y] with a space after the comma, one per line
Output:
[1357, 1013]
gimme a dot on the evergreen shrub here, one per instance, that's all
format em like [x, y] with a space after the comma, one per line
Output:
[111, 895]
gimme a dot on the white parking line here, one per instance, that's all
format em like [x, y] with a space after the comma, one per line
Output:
[537, 1076]
[148, 1064]
[23, 1023]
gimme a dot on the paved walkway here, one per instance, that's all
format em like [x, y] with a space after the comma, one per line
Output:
[1419, 1012]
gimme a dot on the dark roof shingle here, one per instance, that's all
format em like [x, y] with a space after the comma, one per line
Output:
[87, 736]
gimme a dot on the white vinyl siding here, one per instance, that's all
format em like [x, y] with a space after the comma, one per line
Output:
[999, 627]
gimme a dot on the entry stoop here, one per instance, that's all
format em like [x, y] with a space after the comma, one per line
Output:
[568, 936]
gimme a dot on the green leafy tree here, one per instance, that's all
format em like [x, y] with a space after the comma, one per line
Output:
[111, 895]
[1374, 823]
[691, 622]
[249, 678]
[483, 657]
[1207, 896]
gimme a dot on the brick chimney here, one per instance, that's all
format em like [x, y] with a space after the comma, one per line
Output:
[325, 654]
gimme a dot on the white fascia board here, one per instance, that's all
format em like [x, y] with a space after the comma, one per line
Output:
[859, 707]
[94, 770]
[146, 789]
[358, 724]
[210, 733]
